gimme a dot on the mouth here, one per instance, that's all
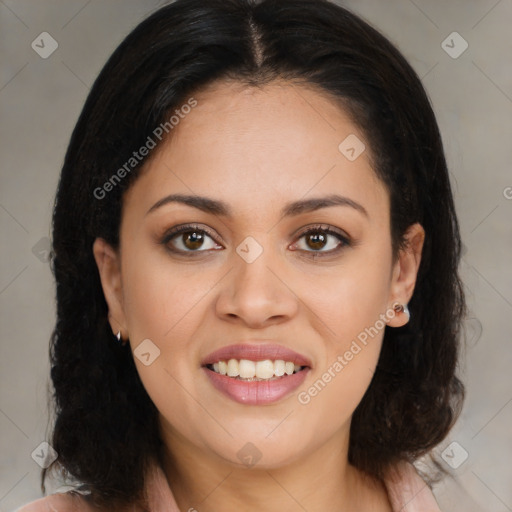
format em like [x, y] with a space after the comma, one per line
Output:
[256, 374]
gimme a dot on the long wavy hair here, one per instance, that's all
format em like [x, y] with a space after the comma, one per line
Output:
[105, 428]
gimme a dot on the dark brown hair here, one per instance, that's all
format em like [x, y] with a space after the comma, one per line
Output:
[105, 429]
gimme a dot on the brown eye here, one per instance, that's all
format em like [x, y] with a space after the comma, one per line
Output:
[192, 240]
[316, 240]
[321, 240]
[189, 239]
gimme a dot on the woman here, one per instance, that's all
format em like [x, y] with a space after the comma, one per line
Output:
[255, 248]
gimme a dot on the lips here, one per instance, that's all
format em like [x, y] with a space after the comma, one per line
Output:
[256, 352]
[256, 392]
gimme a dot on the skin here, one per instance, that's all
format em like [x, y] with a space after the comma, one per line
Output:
[256, 150]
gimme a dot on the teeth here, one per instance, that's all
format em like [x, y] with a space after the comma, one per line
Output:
[233, 368]
[264, 369]
[279, 368]
[247, 369]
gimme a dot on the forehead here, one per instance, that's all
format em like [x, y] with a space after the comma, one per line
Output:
[259, 147]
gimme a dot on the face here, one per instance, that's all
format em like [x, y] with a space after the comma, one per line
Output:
[257, 277]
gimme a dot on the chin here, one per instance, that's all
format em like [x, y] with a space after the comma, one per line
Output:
[259, 451]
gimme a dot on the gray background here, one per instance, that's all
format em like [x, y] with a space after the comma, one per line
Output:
[40, 100]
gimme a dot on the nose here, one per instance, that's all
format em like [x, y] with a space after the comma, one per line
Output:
[257, 294]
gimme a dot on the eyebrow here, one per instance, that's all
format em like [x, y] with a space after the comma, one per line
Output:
[292, 209]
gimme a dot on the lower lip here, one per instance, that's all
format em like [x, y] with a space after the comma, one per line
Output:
[256, 392]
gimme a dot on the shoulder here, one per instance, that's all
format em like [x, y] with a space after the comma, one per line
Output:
[60, 502]
[406, 488]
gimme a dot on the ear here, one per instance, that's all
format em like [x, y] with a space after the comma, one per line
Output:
[405, 272]
[109, 267]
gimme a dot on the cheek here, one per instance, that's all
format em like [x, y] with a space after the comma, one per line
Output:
[337, 389]
[162, 304]
[354, 309]
[352, 301]
[348, 297]
[162, 301]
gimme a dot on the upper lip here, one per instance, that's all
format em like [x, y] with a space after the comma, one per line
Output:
[256, 352]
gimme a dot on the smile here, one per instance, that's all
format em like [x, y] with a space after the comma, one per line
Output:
[256, 373]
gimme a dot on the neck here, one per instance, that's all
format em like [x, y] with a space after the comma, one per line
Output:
[322, 480]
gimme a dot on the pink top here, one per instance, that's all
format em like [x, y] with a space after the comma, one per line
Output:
[406, 490]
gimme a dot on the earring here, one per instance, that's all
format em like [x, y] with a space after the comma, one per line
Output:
[402, 308]
[120, 339]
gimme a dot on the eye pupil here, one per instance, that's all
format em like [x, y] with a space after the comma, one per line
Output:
[318, 240]
[193, 240]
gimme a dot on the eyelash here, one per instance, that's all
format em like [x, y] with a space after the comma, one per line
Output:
[322, 228]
